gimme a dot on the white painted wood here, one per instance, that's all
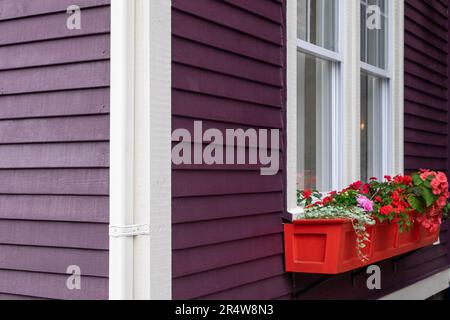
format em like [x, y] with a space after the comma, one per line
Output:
[291, 157]
[318, 51]
[423, 289]
[122, 147]
[396, 95]
[140, 266]
[160, 150]
[350, 41]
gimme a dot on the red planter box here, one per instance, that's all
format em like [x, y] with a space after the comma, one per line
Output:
[329, 246]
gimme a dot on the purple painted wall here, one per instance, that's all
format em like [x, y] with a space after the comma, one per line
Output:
[228, 59]
[54, 150]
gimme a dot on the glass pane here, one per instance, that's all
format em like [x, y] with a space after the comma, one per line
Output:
[314, 122]
[374, 31]
[317, 22]
[371, 127]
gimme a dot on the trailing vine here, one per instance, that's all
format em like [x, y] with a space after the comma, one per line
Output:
[359, 218]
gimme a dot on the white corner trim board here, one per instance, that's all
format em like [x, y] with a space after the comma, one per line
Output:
[140, 152]
[423, 289]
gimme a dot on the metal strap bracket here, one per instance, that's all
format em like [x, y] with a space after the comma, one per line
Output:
[129, 231]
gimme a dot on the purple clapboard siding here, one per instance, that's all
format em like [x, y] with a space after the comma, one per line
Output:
[54, 149]
[426, 146]
[227, 59]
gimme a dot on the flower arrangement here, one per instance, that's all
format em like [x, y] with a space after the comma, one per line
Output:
[421, 197]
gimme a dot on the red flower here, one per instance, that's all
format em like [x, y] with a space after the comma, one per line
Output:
[373, 179]
[356, 186]
[327, 200]
[378, 199]
[365, 189]
[386, 210]
[388, 178]
[407, 180]
[307, 194]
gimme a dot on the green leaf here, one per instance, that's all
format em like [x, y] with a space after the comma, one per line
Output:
[429, 197]
[416, 203]
[417, 180]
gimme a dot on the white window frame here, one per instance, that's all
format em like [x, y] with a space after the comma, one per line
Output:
[347, 133]
[140, 249]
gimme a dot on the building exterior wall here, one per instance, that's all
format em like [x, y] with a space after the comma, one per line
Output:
[228, 71]
[426, 146]
[54, 149]
[227, 230]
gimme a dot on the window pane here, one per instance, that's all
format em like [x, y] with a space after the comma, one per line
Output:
[317, 22]
[314, 122]
[371, 127]
[374, 30]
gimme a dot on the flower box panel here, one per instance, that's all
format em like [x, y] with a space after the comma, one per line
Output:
[329, 246]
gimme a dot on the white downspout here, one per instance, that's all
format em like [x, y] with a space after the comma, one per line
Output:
[122, 148]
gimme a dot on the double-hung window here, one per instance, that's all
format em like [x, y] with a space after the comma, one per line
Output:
[375, 84]
[345, 92]
[318, 73]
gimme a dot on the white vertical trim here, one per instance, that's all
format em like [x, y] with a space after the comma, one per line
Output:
[142, 257]
[291, 158]
[396, 25]
[161, 150]
[122, 147]
[140, 178]
[351, 90]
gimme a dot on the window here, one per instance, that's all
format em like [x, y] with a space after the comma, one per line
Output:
[345, 93]
[317, 76]
[316, 22]
[371, 127]
[374, 87]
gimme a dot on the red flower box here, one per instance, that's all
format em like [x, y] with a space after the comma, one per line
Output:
[329, 246]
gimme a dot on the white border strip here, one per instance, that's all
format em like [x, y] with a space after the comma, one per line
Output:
[291, 157]
[140, 174]
[121, 148]
[161, 150]
[423, 289]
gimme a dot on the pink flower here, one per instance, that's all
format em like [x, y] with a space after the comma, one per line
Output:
[435, 184]
[441, 177]
[365, 204]
[426, 174]
[442, 201]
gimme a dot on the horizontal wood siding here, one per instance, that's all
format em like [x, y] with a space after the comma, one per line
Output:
[426, 146]
[54, 149]
[228, 71]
